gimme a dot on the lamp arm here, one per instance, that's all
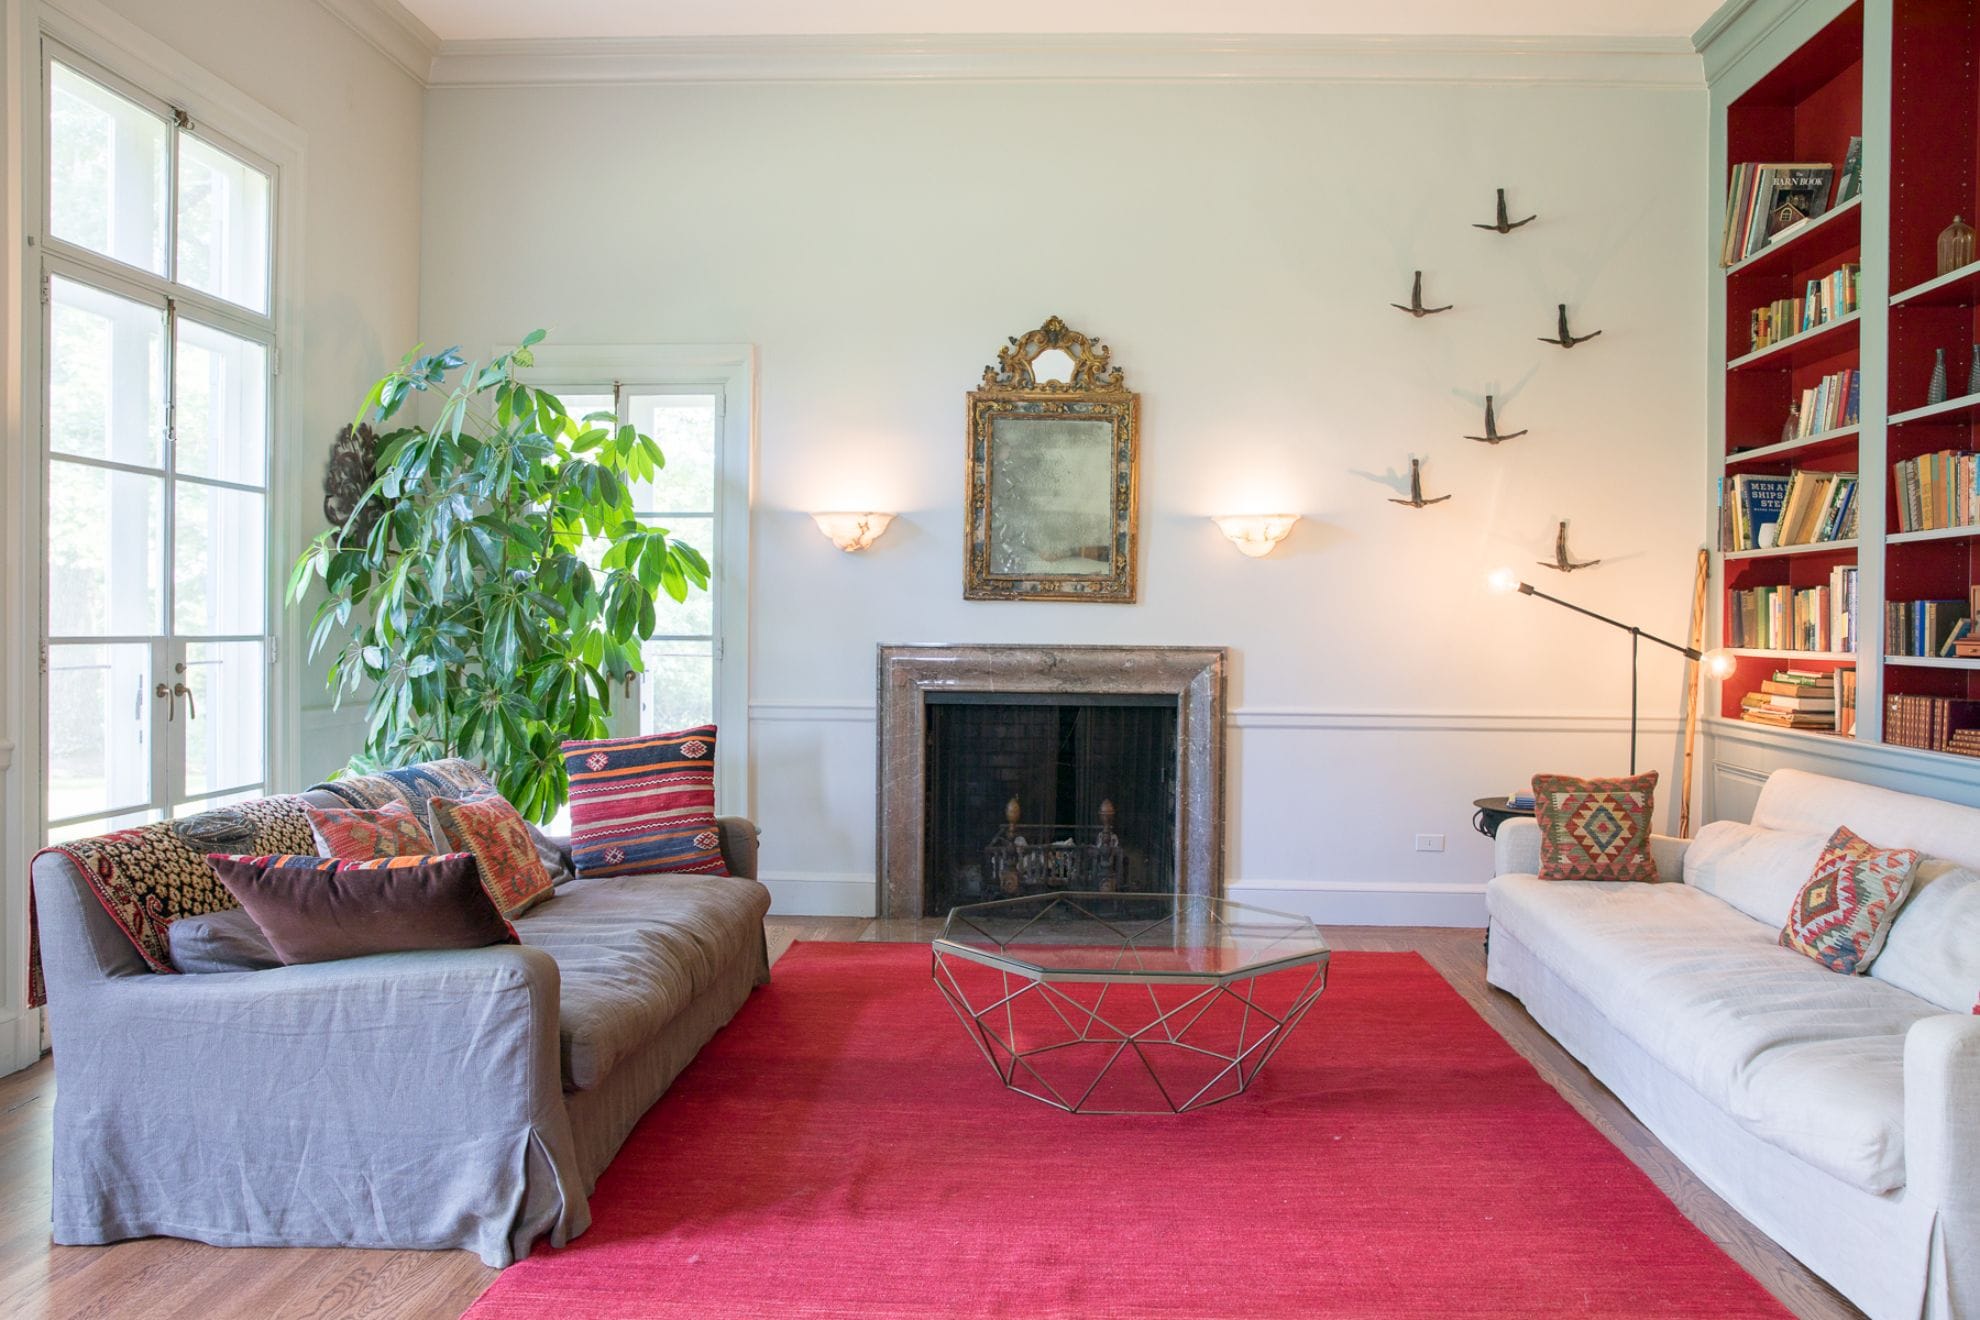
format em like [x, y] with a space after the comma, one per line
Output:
[1688, 652]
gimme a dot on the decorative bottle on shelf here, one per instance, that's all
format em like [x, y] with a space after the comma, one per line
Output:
[1955, 246]
[1973, 372]
[1791, 428]
[1936, 391]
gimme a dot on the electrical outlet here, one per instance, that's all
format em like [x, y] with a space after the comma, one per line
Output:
[1429, 843]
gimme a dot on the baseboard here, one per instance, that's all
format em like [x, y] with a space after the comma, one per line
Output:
[20, 1041]
[1327, 902]
[821, 893]
[1366, 903]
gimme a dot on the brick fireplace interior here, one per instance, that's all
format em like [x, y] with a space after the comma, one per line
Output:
[1063, 758]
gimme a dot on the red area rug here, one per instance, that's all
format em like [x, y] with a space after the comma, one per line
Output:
[841, 1149]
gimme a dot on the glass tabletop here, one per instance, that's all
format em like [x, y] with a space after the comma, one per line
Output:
[1159, 936]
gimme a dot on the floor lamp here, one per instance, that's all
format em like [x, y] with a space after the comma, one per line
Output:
[1718, 664]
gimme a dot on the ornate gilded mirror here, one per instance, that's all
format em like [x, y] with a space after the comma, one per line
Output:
[1053, 464]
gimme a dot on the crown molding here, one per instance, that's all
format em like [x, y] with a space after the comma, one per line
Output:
[391, 29]
[1606, 62]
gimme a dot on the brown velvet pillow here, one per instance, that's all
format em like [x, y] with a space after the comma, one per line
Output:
[316, 909]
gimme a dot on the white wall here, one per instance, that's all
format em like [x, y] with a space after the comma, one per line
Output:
[1237, 244]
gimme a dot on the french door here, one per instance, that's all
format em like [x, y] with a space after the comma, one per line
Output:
[159, 355]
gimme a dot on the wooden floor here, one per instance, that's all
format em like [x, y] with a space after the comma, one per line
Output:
[162, 1277]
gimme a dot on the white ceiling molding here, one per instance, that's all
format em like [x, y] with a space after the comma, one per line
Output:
[393, 30]
[1589, 61]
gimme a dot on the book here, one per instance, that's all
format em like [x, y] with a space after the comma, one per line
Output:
[1849, 184]
[1764, 201]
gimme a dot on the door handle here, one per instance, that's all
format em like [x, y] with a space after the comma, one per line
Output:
[172, 707]
[630, 680]
[181, 690]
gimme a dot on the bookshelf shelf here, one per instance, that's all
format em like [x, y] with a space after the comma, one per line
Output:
[1936, 534]
[1959, 288]
[1826, 657]
[1834, 231]
[1776, 731]
[1822, 444]
[1950, 410]
[1831, 339]
[1931, 662]
[1780, 551]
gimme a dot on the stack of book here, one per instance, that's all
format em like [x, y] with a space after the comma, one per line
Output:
[1803, 508]
[1766, 202]
[1829, 406]
[1933, 724]
[1822, 301]
[1937, 490]
[1794, 699]
[1926, 627]
[1963, 742]
[1786, 619]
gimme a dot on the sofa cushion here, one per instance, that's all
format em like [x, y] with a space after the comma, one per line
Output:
[485, 825]
[1802, 1058]
[357, 834]
[633, 951]
[1759, 871]
[226, 941]
[645, 805]
[320, 909]
[1844, 913]
[1934, 946]
[1595, 829]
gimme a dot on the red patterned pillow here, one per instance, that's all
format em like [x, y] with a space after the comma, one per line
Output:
[1595, 829]
[493, 831]
[1843, 914]
[357, 834]
[645, 805]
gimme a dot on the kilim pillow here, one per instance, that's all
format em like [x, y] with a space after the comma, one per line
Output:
[494, 832]
[316, 909]
[357, 834]
[642, 805]
[1595, 829]
[1845, 911]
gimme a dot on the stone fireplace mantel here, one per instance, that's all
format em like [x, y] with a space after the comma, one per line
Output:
[1194, 675]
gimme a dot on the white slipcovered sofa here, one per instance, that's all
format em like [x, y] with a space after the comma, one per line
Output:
[1840, 1114]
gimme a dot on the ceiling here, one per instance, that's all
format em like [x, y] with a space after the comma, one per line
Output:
[469, 20]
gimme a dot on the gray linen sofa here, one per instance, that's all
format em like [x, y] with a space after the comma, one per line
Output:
[455, 1099]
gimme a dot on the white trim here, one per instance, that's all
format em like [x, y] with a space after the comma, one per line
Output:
[1574, 61]
[821, 893]
[1933, 774]
[392, 30]
[1299, 718]
[732, 368]
[1330, 902]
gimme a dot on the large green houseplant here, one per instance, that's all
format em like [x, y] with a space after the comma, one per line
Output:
[493, 584]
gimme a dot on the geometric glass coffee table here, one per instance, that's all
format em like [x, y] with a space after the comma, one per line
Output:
[1128, 1003]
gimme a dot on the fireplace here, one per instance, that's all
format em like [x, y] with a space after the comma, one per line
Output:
[1032, 792]
[1010, 770]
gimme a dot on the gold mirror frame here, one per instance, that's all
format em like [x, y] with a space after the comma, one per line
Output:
[1097, 391]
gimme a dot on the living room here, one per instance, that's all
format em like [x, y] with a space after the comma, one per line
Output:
[1031, 609]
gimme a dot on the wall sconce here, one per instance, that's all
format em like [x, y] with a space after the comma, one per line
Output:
[1256, 533]
[852, 531]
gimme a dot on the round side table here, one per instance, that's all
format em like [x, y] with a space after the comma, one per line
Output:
[1493, 812]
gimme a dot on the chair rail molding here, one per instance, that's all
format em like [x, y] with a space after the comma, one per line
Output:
[1581, 61]
[1297, 718]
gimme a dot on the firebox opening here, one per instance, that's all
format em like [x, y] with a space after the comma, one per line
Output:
[1094, 779]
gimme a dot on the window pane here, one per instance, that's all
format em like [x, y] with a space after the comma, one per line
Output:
[223, 224]
[579, 402]
[678, 691]
[106, 375]
[221, 421]
[105, 552]
[89, 829]
[684, 424]
[694, 616]
[106, 171]
[99, 717]
[223, 721]
[218, 572]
